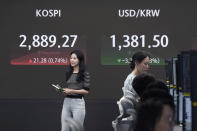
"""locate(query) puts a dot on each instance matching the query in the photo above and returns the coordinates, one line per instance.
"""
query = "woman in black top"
(77, 80)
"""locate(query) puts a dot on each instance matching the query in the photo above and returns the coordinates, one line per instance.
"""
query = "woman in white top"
(139, 64)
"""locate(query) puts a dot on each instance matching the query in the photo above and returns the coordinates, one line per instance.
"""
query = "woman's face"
(74, 61)
(166, 122)
(143, 66)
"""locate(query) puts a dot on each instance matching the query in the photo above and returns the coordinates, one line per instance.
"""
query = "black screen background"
(93, 20)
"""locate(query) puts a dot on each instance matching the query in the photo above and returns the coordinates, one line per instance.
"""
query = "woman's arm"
(72, 91)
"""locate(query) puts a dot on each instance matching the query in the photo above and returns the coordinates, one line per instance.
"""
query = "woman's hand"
(68, 91)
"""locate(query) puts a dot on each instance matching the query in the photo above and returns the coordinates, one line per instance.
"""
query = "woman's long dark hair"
(80, 76)
(138, 57)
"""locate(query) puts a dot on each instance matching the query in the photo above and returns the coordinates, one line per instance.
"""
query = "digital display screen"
(46, 50)
(119, 53)
(38, 36)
